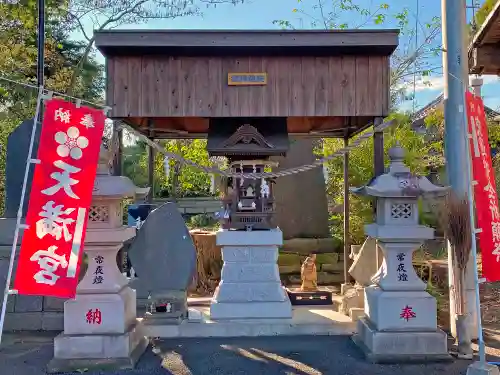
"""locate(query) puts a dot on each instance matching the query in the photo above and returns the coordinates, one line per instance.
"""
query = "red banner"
(61, 194)
(485, 192)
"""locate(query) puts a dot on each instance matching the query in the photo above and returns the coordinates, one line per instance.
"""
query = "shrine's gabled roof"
(418, 118)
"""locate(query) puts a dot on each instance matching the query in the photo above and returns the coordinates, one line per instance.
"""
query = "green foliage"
(182, 181)
(435, 136)
(484, 11)
(361, 171)
(18, 57)
(191, 181)
(203, 221)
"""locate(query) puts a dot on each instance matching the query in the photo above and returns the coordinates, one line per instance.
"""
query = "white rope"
(214, 170)
(255, 176)
(100, 106)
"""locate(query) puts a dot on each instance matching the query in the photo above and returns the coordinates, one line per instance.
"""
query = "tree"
(182, 181)
(435, 138)
(484, 11)
(411, 61)
(418, 46)
(18, 56)
(361, 171)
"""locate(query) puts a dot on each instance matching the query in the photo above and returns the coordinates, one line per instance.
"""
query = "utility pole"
(455, 73)
(41, 42)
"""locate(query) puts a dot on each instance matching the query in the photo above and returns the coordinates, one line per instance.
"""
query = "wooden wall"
(152, 86)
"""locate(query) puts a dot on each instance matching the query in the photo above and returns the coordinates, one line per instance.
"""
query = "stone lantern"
(400, 320)
(100, 326)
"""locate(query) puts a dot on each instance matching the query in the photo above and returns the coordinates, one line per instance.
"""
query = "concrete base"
(356, 313)
(401, 346)
(253, 310)
(480, 368)
(384, 309)
(306, 320)
(98, 352)
(250, 286)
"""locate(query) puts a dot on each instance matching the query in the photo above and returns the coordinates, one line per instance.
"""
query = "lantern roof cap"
(399, 181)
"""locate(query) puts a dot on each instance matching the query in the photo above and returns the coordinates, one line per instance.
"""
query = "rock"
(289, 269)
(17, 153)
(332, 258)
(364, 266)
(164, 258)
(327, 278)
(333, 267)
(289, 259)
(352, 299)
(306, 246)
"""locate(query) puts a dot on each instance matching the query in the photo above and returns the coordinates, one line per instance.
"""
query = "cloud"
(436, 83)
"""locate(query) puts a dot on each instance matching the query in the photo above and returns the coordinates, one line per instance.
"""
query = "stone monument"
(164, 257)
(250, 286)
(364, 266)
(100, 326)
(400, 322)
(31, 313)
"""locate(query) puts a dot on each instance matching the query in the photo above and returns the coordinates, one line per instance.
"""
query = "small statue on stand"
(309, 275)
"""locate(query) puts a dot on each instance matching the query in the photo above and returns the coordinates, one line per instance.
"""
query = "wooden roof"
(173, 83)
(247, 42)
(484, 51)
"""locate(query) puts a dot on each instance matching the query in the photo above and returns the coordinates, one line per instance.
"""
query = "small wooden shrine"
(247, 91)
(248, 203)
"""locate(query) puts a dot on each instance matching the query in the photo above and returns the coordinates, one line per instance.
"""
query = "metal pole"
(455, 139)
(477, 82)
(477, 305)
(41, 42)
(19, 226)
(346, 212)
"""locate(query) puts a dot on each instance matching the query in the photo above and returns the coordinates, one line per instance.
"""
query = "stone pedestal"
(400, 346)
(27, 313)
(250, 285)
(479, 368)
(100, 326)
(400, 323)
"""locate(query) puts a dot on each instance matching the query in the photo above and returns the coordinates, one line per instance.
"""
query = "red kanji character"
(407, 313)
(94, 316)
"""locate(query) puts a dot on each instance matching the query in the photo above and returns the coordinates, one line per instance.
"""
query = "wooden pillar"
(151, 164)
(118, 156)
(378, 149)
(346, 212)
(378, 168)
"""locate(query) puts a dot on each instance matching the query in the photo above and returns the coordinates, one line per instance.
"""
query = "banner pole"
(470, 196)
(19, 226)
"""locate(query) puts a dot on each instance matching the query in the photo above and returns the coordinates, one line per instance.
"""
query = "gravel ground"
(314, 355)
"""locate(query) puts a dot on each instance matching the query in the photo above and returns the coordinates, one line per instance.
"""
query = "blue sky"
(260, 14)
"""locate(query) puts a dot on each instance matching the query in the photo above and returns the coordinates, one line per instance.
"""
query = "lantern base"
(401, 346)
(98, 352)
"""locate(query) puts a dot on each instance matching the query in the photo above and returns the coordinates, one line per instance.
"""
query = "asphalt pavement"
(304, 355)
